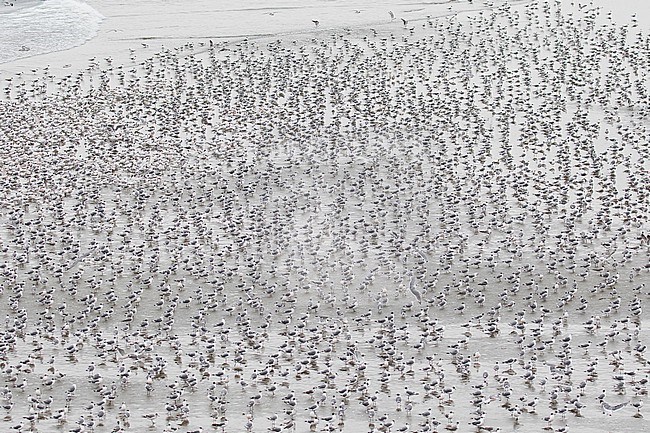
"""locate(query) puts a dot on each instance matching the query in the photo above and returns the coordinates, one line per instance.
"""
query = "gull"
(413, 290)
(316, 22)
(392, 15)
(609, 409)
(404, 429)
(151, 417)
(71, 390)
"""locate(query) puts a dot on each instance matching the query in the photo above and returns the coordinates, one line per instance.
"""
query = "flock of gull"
(400, 229)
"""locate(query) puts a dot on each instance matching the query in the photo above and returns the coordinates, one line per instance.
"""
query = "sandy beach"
(146, 26)
(329, 216)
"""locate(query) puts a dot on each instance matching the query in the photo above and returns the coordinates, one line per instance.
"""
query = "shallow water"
(32, 28)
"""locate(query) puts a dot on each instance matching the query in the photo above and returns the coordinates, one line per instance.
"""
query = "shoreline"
(144, 32)
(16, 6)
(123, 34)
(44, 27)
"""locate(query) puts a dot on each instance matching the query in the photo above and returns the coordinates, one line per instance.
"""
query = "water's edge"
(35, 28)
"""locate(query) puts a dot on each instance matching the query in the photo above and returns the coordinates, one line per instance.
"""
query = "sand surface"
(257, 224)
(173, 22)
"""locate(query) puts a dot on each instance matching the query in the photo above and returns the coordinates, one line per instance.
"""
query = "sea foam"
(52, 25)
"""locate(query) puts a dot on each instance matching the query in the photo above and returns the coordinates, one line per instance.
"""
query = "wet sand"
(438, 224)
